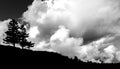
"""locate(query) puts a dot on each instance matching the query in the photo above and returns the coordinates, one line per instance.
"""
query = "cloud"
(33, 32)
(76, 15)
(65, 25)
(3, 28)
(61, 34)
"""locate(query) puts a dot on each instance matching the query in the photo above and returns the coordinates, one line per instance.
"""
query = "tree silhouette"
(12, 33)
(23, 38)
(17, 34)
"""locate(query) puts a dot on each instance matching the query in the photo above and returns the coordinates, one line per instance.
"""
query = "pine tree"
(12, 33)
(17, 34)
(23, 38)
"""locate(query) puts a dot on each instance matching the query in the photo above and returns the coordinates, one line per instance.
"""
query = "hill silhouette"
(38, 56)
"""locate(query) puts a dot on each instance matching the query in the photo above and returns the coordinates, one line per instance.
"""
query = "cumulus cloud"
(65, 25)
(33, 32)
(61, 34)
(76, 15)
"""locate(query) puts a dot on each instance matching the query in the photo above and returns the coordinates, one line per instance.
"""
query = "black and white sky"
(13, 8)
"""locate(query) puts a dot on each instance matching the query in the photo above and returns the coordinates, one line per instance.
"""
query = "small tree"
(23, 38)
(12, 33)
(17, 34)
(25, 44)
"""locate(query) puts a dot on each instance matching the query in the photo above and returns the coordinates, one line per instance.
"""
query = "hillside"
(12, 53)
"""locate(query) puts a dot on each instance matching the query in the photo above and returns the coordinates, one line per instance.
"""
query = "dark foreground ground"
(11, 54)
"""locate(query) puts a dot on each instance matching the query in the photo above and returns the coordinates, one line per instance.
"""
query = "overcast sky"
(13, 8)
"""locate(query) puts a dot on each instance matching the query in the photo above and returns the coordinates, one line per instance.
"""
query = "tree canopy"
(17, 34)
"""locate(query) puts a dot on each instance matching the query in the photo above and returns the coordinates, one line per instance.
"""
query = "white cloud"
(110, 49)
(76, 15)
(61, 34)
(3, 28)
(33, 32)
(63, 23)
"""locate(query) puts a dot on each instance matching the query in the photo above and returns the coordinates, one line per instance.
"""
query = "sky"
(13, 8)
(64, 25)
